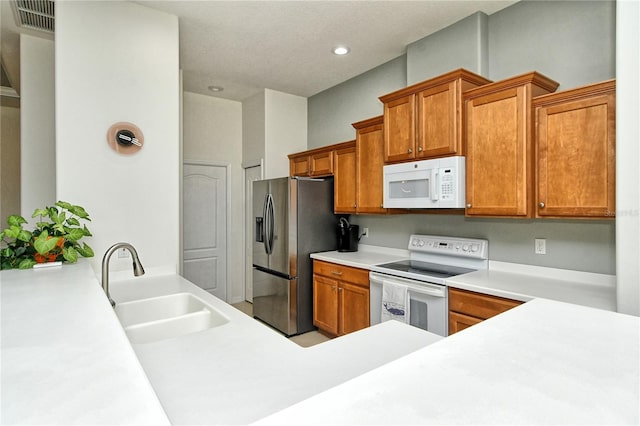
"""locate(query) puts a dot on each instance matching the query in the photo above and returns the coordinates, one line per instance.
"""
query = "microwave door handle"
(434, 184)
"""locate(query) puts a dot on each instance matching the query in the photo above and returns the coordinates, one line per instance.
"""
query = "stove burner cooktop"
(425, 268)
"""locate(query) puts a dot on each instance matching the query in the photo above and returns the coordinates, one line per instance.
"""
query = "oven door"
(428, 303)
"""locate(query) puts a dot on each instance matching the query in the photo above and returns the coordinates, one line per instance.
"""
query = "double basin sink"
(165, 317)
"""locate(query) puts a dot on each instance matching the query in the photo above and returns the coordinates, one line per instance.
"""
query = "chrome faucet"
(137, 266)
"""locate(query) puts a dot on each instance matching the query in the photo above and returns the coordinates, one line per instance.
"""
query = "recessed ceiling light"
(341, 50)
(215, 88)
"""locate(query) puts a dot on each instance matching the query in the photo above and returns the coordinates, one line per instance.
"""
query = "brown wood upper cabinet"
(576, 153)
(344, 178)
(425, 120)
(316, 162)
(358, 171)
(499, 134)
(369, 163)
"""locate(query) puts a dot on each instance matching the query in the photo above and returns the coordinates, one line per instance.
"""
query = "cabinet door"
(437, 121)
(354, 308)
(459, 322)
(299, 166)
(370, 157)
(321, 164)
(498, 154)
(344, 183)
(325, 304)
(576, 158)
(399, 129)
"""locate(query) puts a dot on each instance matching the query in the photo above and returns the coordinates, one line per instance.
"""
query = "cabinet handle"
(354, 206)
(541, 205)
(336, 273)
(469, 205)
(419, 149)
(333, 287)
(339, 288)
(410, 151)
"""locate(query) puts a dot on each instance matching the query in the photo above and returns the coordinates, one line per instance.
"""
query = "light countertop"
(510, 280)
(543, 362)
(523, 282)
(244, 370)
(364, 258)
(65, 358)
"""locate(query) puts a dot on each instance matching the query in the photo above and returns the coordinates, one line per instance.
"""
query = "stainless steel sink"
(165, 317)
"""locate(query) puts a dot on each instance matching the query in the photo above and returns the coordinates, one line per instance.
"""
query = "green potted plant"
(56, 237)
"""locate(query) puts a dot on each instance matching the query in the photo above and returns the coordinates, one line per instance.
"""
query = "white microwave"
(427, 184)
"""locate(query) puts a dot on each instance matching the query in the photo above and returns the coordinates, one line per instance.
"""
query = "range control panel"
(465, 247)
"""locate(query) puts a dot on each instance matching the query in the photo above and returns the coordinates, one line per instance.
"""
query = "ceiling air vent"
(35, 14)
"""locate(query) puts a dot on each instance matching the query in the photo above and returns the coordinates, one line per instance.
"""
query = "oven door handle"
(439, 292)
(428, 289)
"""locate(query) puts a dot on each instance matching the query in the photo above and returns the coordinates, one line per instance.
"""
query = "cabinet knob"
(354, 206)
(333, 287)
(409, 150)
(339, 288)
(541, 204)
(419, 149)
(469, 205)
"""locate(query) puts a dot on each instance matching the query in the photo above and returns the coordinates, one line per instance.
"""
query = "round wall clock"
(125, 138)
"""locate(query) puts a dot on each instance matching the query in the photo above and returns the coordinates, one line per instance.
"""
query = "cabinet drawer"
(478, 305)
(342, 273)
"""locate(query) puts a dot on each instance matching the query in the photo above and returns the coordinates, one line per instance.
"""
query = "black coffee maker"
(348, 236)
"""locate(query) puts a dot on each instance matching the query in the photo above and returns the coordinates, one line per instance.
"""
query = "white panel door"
(251, 174)
(205, 227)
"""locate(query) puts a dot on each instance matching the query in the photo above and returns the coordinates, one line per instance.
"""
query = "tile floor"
(305, 340)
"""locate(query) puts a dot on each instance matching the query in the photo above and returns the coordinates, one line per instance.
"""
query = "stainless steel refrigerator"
(293, 217)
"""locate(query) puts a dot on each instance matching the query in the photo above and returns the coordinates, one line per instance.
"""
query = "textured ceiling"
(246, 46)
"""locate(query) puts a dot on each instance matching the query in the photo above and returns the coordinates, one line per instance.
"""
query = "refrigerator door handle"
(270, 219)
(265, 228)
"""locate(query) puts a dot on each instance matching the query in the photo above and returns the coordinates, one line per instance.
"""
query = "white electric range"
(432, 259)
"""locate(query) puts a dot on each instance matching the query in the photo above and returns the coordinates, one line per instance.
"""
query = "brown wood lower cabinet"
(340, 298)
(467, 308)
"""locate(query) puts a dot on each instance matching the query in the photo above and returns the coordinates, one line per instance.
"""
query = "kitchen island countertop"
(65, 357)
(543, 362)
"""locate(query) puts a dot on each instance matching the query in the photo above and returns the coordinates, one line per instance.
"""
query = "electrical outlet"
(365, 232)
(123, 253)
(540, 246)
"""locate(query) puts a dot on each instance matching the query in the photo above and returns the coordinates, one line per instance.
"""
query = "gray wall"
(464, 44)
(571, 42)
(331, 112)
